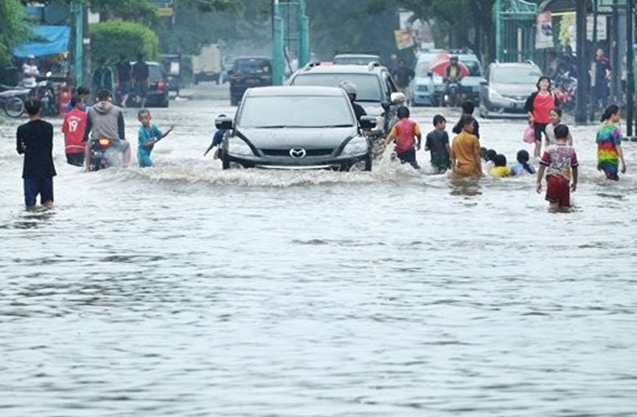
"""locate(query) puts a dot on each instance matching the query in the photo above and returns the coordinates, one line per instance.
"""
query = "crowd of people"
(127, 79)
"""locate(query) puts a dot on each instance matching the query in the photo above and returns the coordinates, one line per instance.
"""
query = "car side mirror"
(367, 122)
(397, 98)
(483, 82)
(224, 123)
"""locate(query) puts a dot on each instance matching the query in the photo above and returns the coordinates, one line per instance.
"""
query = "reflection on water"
(184, 290)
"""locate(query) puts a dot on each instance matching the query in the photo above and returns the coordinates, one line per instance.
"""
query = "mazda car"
(295, 128)
(507, 86)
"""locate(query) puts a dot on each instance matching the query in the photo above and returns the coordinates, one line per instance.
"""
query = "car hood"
(470, 81)
(287, 138)
(513, 89)
(437, 80)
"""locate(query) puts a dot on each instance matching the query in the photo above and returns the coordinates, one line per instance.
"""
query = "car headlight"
(494, 94)
(239, 148)
(356, 146)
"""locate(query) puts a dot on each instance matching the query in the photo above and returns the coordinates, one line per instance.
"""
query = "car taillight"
(161, 84)
(104, 142)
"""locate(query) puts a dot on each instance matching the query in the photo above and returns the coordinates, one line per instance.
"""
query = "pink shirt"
(405, 132)
(542, 105)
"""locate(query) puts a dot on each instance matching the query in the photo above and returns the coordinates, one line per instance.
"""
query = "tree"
(108, 39)
(14, 29)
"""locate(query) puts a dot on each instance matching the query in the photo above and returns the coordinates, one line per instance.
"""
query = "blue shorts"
(33, 187)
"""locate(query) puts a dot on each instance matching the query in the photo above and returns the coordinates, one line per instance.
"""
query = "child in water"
(438, 144)
(555, 117)
(407, 134)
(523, 167)
(499, 168)
(465, 151)
(558, 162)
(148, 136)
(609, 148)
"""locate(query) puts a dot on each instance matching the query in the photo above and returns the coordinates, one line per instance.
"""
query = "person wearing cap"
(29, 72)
(350, 89)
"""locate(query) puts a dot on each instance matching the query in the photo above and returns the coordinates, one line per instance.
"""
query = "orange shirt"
(464, 148)
(405, 132)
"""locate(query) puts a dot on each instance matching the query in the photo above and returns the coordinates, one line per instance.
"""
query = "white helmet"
(349, 87)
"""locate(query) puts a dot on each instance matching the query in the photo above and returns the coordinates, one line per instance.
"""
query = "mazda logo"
(298, 153)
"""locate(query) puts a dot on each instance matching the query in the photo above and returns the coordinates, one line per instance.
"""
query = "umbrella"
(439, 67)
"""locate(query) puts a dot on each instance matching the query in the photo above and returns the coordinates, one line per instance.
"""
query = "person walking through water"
(35, 141)
(140, 76)
(537, 107)
(103, 77)
(610, 157)
(403, 76)
(123, 79)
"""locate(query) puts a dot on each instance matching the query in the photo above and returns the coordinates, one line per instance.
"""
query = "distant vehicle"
(506, 88)
(427, 87)
(356, 59)
(470, 85)
(207, 65)
(172, 66)
(157, 93)
(296, 128)
(248, 72)
(375, 85)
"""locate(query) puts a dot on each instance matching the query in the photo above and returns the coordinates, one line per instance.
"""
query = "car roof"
(251, 58)
(513, 64)
(341, 69)
(356, 56)
(295, 90)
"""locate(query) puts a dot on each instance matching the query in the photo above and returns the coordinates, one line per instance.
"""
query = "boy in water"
(73, 129)
(217, 140)
(148, 136)
(438, 144)
(35, 141)
(465, 151)
(499, 168)
(408, 137)
(558, 161)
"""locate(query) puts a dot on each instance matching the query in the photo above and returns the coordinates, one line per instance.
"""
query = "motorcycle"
(45, 93)
(452, 93)
(103, 154)
(565, 91)
(12, 100)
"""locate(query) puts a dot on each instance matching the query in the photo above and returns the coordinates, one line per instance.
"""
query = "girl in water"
(610, 157)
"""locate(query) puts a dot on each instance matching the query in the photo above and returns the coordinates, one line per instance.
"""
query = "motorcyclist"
(105, 120)
(453, 73)
(350, 89)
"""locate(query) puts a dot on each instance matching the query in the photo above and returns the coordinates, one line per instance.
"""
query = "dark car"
(374, 85)
(157, 92)
(248, 72)
(295, 128)
(506, 88)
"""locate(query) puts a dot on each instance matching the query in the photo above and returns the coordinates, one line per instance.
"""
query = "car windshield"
(154, 73)
(367, 86)
(515, 75)
(422, 69)
(355, 60)
(296, 111)
(473, 66)
(252, 65)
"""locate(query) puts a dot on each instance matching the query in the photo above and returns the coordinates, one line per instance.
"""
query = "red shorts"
(558, 190)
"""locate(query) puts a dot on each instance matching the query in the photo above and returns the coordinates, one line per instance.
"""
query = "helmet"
(349, 87)
(453, 58)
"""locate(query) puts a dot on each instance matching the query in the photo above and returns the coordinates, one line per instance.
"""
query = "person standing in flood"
(610, 157)
(465, 151)
(537, 107)
(35, 142)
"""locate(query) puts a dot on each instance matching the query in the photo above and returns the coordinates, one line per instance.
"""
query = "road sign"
(165, 11)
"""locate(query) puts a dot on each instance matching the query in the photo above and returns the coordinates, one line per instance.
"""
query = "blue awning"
(57, 42)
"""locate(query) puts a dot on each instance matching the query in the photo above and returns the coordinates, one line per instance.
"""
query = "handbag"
(529, 134)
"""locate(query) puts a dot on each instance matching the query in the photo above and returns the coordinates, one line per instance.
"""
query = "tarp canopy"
(57, 42)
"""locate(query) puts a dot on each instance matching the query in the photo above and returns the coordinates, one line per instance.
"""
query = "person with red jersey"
(406, 133)
(537, 107)
(73, 129)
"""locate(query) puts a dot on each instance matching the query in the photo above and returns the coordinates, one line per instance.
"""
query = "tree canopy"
(14, 28)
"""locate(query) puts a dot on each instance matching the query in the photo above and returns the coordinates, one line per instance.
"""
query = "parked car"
(506, 88)
(356, 59)
(248, 72)
(374, 84)
(295, 128)
(157, 92)
(427, 87)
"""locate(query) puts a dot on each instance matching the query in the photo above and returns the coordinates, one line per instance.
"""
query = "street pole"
(594, 65)
(615, 58)
(582, 70)
(498, 30)
(277, 45)
(77, 9)
(630, 91)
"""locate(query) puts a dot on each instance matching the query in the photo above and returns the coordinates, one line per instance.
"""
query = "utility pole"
(278, 61)
(77, 9)
(582, 70)
(630, 79)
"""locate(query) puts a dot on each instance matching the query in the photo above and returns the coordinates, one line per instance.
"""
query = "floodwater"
(183, 290)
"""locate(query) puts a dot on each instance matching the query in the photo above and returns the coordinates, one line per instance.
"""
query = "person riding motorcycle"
(453, 74)
(350, 89)
(105, 120)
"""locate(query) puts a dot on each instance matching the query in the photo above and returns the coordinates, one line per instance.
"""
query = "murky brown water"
(187, 291)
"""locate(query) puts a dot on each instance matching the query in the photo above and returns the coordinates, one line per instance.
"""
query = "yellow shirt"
(500, 172)
(464, 149)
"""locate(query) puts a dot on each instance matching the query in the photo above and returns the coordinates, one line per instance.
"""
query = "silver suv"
(506, 88)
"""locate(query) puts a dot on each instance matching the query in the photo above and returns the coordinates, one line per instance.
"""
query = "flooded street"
(185, 290)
